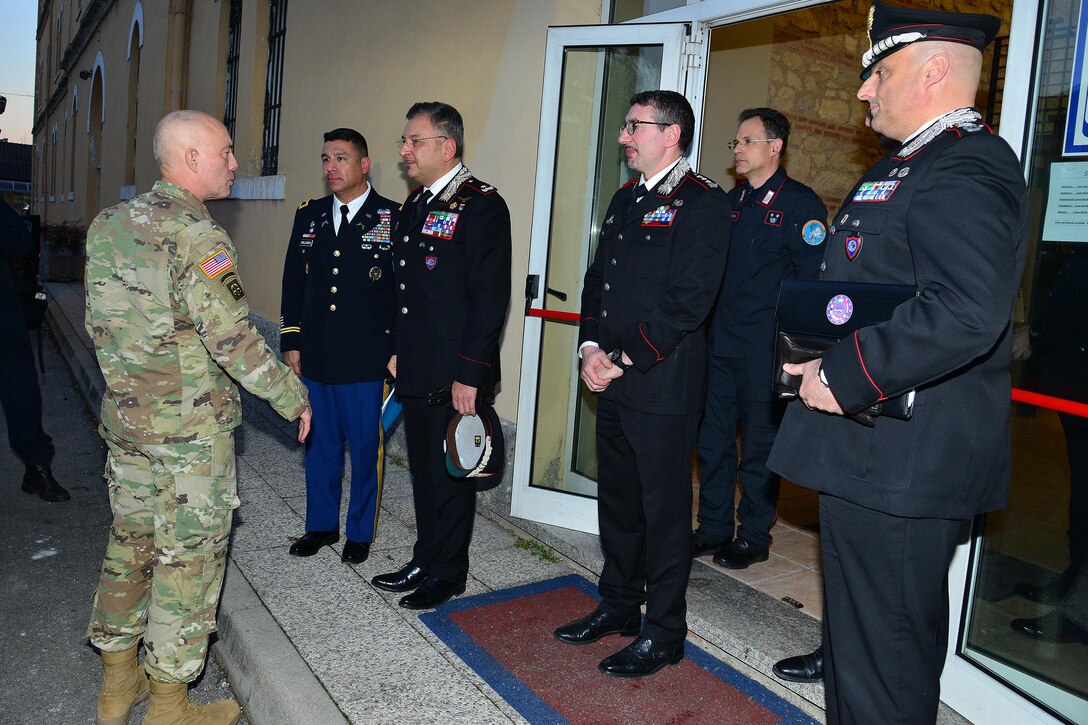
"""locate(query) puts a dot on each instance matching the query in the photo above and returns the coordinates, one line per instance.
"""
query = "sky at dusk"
(18, 23)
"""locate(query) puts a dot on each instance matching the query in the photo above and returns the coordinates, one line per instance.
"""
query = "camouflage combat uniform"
(169, 320)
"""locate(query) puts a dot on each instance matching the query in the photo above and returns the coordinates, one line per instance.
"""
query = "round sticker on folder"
(839, 310)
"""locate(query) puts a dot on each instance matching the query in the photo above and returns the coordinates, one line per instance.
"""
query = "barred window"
(234, 32)
(273, 90)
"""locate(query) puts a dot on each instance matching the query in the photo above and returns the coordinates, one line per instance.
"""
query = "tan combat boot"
(124, 685)
(170, 706)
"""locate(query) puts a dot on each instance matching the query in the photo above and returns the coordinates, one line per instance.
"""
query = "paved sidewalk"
(51, 556)
(311, 641)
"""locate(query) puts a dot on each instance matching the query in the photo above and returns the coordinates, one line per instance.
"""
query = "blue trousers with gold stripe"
(342, 413)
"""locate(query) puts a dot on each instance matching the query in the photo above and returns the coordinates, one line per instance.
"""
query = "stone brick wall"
(814, 78)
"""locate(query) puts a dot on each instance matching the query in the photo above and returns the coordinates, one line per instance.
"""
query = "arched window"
(72, 141)
(135, 42)
(273, 90)
(234, 44)
(96, 118)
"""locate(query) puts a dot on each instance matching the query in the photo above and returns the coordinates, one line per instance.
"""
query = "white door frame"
(541, 504)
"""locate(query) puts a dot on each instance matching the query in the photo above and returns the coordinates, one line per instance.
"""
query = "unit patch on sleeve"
(814, 232)
(662, 216)
(876, 190)
(440, 224)
(216, 264)
(234, 286)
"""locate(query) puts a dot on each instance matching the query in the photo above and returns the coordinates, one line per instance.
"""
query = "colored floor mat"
(506, 637)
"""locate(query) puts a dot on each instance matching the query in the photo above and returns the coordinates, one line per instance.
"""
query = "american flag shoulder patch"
(216, 264)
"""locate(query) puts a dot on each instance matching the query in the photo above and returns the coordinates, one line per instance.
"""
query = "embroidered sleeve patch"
(216, 264)
(814, 232)
(662, 216)
(234, 286)
(440, 224)
(876, 190)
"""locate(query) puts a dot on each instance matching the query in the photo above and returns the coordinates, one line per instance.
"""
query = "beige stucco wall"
(487, 62)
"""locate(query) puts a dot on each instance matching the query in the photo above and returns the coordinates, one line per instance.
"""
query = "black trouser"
(885, 628)
(644, 509)
(1076, 444)
(738, 391)
(445, 506)
(21, 396)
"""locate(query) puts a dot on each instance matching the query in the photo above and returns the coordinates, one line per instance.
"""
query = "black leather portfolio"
(813, 315)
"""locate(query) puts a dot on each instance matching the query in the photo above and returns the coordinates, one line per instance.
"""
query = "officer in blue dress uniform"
(336, 331)
(946, 212)
(778, 232)
(452, 264)
(645, 300)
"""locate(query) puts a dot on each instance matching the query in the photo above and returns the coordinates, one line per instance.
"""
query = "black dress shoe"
(1054, 627)
(355, 552)
(641, 658)
(431, 593)
(405, 579)
(803, 668)
(39, 480)
(1052, 593)
(740, 553)
(599, 624)
(312, 541)
(703, 544)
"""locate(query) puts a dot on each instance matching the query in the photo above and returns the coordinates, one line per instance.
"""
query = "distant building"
(15, 165)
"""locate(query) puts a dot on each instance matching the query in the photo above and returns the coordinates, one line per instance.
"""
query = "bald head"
(912, 86)
(964, 70)
(195, 152)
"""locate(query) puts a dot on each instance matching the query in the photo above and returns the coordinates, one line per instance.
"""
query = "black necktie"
(637, 193)
(343, 219)
(421, 206)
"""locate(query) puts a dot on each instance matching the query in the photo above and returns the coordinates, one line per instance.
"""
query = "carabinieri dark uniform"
(648, 291)
(452, 267)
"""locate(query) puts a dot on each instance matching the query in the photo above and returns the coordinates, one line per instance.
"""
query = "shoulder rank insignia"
(304, 204)
(708, 181)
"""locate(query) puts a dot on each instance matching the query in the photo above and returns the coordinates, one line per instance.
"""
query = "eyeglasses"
(631, 126)
(415, 141)
(748, 142)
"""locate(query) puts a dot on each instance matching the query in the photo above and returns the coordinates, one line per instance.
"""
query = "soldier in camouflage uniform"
(169, 319)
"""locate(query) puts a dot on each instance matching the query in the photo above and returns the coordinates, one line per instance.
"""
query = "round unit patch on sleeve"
(814, 232)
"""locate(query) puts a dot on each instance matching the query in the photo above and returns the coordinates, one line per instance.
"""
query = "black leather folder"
(813, 315)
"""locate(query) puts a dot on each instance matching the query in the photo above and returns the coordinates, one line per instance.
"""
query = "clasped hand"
(597, 369)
